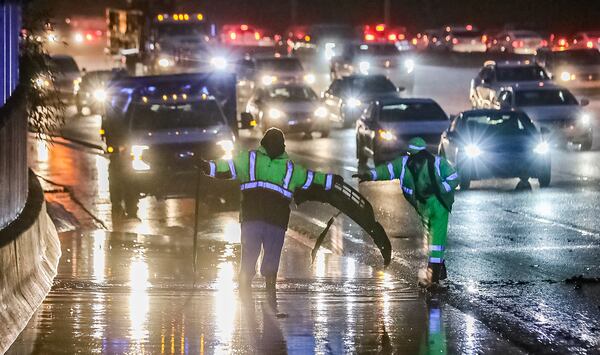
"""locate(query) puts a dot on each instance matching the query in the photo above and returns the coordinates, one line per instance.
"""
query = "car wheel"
(586, 145)
(325, 133)
(465, 181)
(545, 176)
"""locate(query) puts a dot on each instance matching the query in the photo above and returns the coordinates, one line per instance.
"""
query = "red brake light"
(232, 35)
(484, 39)
(369, 37)
(401, 37)
(590, 44)
(469, 27)
(454, 41)
(392, 37)
(244, 27)
(256, 36)
(380, 28)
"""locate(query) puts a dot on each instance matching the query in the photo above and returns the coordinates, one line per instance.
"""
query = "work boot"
(431, 276)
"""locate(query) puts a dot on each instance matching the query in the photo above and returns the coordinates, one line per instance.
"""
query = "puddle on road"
(129, 293)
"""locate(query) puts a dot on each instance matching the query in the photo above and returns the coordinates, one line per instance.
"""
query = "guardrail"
(13, 159)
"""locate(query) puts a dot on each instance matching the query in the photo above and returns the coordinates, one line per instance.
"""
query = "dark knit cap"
(274, 142)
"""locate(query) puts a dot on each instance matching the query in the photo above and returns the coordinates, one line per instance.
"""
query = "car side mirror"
(247, 121)
(400, 89)
(584, 102)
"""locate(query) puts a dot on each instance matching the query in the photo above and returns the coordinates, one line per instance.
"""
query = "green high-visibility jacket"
(418, 188)
(267, 184)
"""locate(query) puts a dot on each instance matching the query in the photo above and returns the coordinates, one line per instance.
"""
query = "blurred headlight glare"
(321, 112)
(472, 151)
(136, 158)
(542, 148)
(275, 113)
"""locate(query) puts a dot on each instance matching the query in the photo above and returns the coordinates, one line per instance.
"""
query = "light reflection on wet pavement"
(130, 293)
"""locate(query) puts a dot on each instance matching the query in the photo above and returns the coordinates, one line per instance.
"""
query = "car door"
(369, 130)
(449, 140)
(332, 99)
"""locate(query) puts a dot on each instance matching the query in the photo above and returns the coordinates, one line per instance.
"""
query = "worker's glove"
(362, 177)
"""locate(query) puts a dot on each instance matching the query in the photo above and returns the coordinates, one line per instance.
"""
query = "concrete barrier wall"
(29, 254)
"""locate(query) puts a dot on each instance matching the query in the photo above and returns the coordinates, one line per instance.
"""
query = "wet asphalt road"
(125, 286)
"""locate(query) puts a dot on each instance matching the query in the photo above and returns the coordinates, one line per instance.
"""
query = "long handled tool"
(321, 237)
(196, 222)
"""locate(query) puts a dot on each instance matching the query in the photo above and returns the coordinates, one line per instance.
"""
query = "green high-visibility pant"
(434, 217)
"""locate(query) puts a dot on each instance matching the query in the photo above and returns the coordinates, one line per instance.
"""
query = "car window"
(279, 64)
(369, 84)
(164, 116)
(65, 64)
(412, 111)
(524, 73)
(495, 123)
(544, 98)
(291, 93)
(335, 88)
(377, 49)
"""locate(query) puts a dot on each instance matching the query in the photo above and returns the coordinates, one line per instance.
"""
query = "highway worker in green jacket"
(428, 183)
(268, 179)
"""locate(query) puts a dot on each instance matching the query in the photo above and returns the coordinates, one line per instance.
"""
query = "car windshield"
(578, 57)
(153, 117)
(525, 73)
(172, 29)
(369, 85)
(544, 98)
(497, 123)
(377, 49)
(299, 93)
(65, 65)
(279, 65)
(412, 111)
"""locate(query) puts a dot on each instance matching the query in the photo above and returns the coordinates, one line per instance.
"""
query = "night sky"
(552, 15)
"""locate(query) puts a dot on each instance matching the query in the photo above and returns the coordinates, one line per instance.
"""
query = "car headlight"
(472, 151)
(164, 62)
(227, 146)
(275, 113)
(542, 148)
(409, 65)
(100, 95)
(386, 135)
(310, 79)
(268, 79)
(321, 112)
(586, 119)
(363, 67)
(136, 158)
(354, 102)
(219, 63)
(566, 76)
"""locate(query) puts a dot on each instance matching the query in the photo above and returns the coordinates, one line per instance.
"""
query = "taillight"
(517, 44)
(484, 39)
(543, 43)
(454, 41)
(590, 44)
(392, 37)
(401, 37)
(232, 35)
(369, 37)
(257, 36)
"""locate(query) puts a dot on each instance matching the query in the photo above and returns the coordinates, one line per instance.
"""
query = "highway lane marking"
(568, 226)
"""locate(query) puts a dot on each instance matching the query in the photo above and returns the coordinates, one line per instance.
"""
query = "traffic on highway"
(329, 186)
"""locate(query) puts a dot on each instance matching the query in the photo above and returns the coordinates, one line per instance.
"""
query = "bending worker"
(268, 180)
(428, 183)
